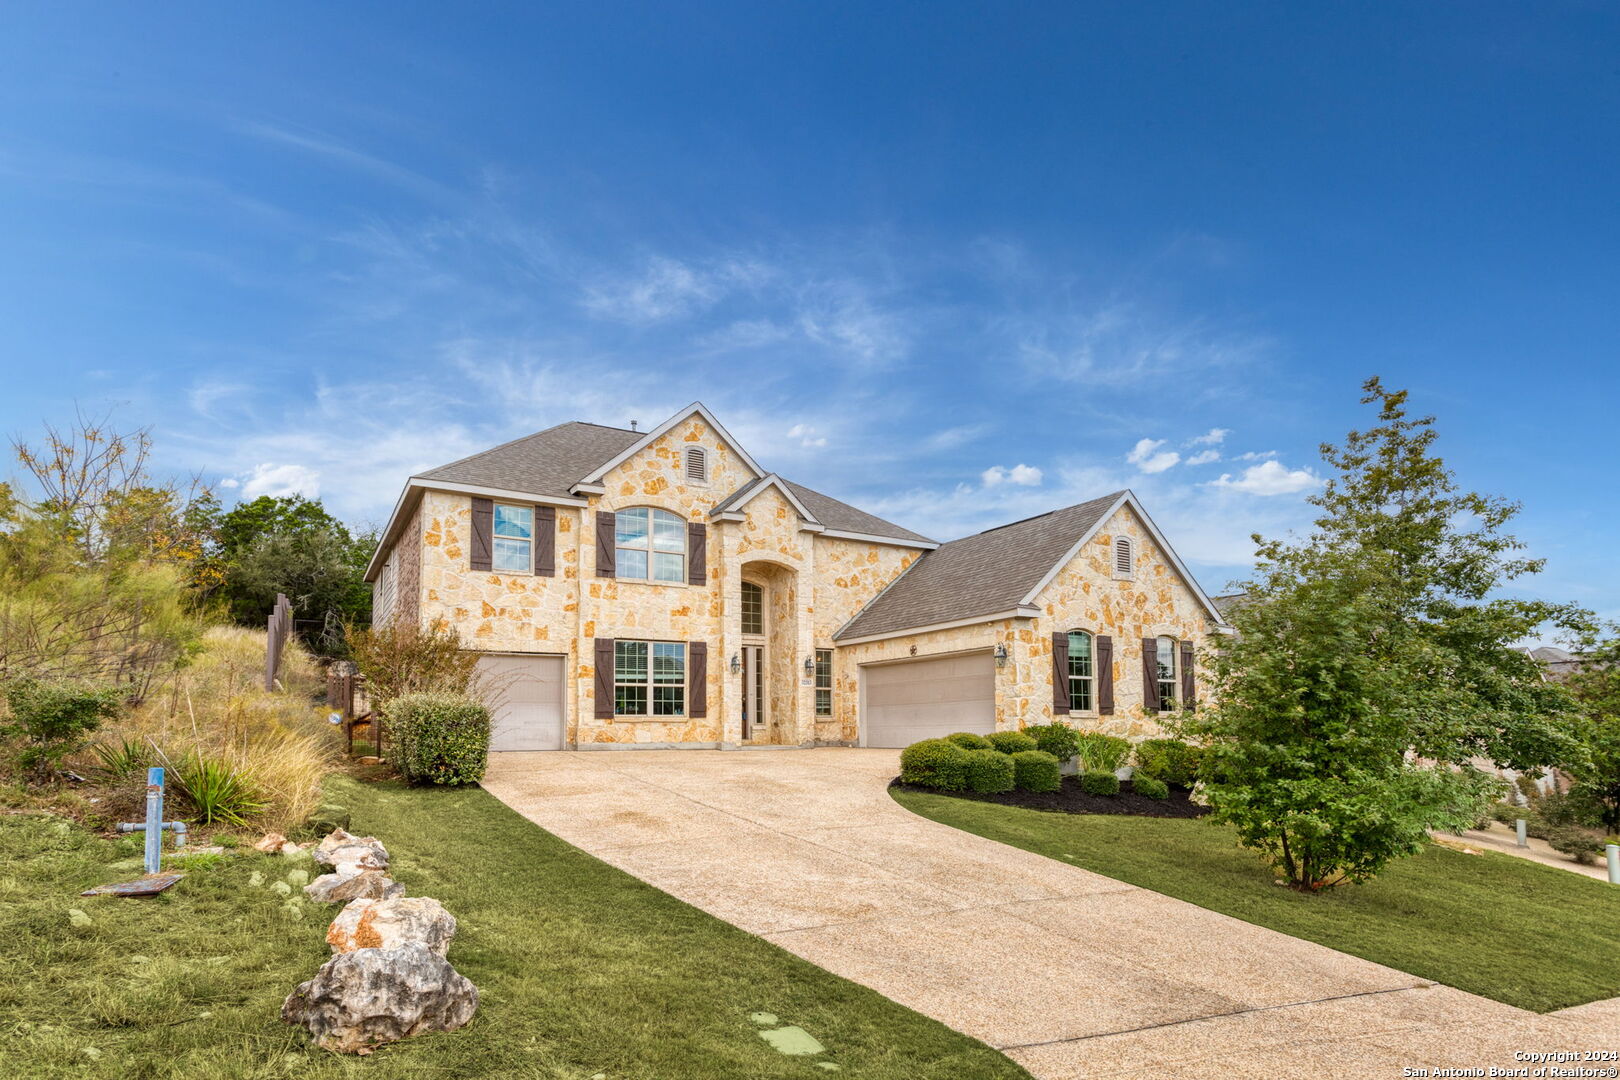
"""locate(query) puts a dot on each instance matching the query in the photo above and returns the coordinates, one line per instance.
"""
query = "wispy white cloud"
(1269, 478)
(333, 149)
(665, 289)
(1018, 475)
(280, 480)
(806, 435)
(1147, 456)
(1213, 437)
(1204, 457)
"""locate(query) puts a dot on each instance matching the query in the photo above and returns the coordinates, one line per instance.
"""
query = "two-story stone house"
(661, 589)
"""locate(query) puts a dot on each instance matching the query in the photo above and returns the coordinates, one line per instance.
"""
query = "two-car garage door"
(926, 698)
(525, 699)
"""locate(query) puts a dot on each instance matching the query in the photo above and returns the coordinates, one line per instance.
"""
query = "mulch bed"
(1072, 800)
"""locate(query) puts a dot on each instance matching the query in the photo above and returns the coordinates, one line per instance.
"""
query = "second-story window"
(513, 540)
(651, 544)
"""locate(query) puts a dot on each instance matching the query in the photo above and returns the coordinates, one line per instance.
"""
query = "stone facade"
(812, 585)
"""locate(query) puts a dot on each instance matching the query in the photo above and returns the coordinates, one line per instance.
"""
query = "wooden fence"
(280, 629)
(346, 694)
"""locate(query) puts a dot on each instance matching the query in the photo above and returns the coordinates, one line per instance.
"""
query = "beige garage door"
(924, 699)
(525, 699)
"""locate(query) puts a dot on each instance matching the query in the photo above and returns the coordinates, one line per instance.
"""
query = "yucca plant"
(218, 790)
(124, 759)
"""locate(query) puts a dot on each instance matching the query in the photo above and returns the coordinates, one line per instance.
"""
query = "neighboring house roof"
(548, 462)
(995, 572)
(1225, 604)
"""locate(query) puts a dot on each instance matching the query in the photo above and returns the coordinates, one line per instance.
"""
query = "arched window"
(753, 608)
(1167, 674)
(1124, 557)
(1082, 672)
(651, 544)
(697, 465)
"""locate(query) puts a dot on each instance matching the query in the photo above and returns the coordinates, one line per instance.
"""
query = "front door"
(753, 701)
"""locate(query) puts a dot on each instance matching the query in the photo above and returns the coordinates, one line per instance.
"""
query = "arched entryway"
(768, 607)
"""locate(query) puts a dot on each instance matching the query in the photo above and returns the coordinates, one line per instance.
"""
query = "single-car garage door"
(525, 699)
(923, 699)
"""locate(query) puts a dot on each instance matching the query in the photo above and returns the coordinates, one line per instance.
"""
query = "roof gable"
(696, 408)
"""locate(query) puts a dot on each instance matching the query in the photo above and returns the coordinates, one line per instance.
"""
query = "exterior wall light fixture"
(809, 667)
(736, 663)
(1001, 654)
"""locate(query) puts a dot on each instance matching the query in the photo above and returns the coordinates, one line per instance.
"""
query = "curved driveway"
(1068, 972)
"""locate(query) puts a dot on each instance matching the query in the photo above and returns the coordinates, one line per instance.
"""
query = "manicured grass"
(583, 970)
(1528, 935)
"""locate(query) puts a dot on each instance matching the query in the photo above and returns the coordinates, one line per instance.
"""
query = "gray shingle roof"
(549, 462)
(983, 574)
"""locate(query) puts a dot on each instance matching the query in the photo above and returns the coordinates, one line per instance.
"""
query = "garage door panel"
(927, 698)
(525, 699)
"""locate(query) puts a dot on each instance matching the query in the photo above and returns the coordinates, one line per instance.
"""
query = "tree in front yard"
(1373, 661)
(1596, 686)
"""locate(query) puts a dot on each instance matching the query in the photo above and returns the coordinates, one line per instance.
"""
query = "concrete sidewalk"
(1070, 973)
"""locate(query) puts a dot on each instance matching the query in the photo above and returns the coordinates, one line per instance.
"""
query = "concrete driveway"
(1070, 973)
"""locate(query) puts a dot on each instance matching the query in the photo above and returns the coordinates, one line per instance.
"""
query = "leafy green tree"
(292, 545)
(1373, 662)
(1596, 686)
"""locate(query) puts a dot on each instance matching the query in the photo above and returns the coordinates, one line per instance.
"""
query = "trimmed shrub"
(1059, 740)
(1149, 787)
(1577, 843)
(967, 741)
(1171, 760)
(989, 771)
(1101, 753)
(440, 738)
(1099, 782)
(1036, 770)
(1011, 742)
(53, 720)
(935, 763)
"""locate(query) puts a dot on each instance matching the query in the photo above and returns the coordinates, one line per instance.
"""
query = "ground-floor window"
(641, 688)
(1167, 674)
(824, 682)
(1080, 671)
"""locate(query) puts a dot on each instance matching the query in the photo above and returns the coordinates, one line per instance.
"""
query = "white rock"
(363, 999)
(386, 924)
(367, 884)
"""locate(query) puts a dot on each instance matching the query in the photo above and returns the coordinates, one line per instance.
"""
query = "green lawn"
(583, 970)
(1508, 929)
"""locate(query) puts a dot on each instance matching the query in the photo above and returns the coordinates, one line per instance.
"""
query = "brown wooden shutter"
(545, 541)
(1105, 675)
(1060, 672)
(483, 531)
(607, 543)
(697, 679)
(604, 678)
(1189, 688)
(697, 553)
(1150, 674)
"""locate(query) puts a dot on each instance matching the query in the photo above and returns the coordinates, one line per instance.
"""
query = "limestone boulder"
(386, 924)
(269, 842)
(361, 885)
(345, 852)
(364, 999)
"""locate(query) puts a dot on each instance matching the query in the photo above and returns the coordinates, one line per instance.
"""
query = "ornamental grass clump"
(440, 738)
(1101, 753)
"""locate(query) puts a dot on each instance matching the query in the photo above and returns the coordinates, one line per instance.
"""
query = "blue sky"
(955, 264)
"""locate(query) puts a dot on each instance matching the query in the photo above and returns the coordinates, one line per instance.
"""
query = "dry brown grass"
(217, 706)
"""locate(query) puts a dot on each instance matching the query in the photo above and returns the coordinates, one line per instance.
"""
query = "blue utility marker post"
(154, 819)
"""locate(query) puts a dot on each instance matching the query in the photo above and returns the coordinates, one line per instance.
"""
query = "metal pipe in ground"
(1614, 863)
(154, 819)
(1524, 839)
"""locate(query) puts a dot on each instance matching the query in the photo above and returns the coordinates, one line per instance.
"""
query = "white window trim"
(1092, 711)
(685, 553)
(764, 613)
(649, 684)
(494, 536)
(816, 687)
(1175, 672)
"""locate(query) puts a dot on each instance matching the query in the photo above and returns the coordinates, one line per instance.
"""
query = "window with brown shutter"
(697, 679)
(603, 681)
(1150, 674)
(1189, 687)
(1105, 675)
(483, 532)
(1060, 672)
(697, 553)
(606, 544)
(545, 541)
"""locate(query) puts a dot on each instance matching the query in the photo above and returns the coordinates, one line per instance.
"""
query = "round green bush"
(1171, 760)
(1059, 740)
(1098, 782)
(439, 738)
(969, 741)
(935, 763)
(1575, 842)
(1149, 787)
(989, 771)
(1036, 770)
(1011, 742)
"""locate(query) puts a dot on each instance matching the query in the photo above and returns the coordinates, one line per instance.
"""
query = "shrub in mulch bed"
(1071, 798)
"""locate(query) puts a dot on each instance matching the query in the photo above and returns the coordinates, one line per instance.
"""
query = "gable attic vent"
(1123, 558)
(697, 465)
